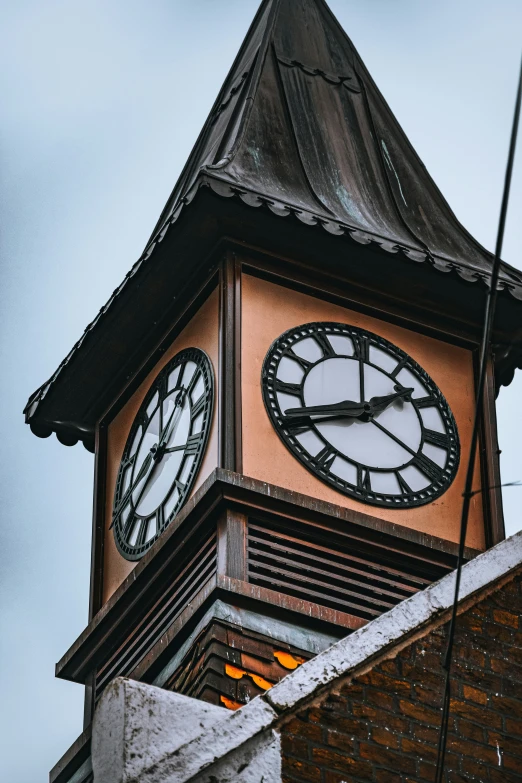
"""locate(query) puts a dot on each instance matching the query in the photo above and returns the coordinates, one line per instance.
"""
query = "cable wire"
(468, 491)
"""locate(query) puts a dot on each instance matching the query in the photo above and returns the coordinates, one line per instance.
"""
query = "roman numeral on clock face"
(199, 406)
(297, 426)
(143, 530)
(437, 438)
(425, 402)
(362, 348)
(363, 479)
(193, 382)
(402, 364)
(326, 456)
(405, 489)
(288, 388)
(324, 344)
(193, 443)
(305, 364)
(429, 468)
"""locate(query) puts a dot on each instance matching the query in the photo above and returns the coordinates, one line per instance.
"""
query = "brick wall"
(383, 727)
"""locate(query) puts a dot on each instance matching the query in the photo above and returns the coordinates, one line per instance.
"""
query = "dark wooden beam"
(184, 307)
(232, 544)
(98, 521)
(97, 549)
(340, 289)
(490, 465)
(230, 364)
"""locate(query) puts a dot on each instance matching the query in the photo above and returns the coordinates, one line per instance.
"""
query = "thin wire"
(495, 486)
(468, 492)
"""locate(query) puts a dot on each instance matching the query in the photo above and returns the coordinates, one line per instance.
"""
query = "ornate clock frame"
(441, 478)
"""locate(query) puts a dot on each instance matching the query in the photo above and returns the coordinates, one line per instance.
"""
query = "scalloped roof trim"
(228, 189)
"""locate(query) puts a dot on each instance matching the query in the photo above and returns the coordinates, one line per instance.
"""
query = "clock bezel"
(204, 363)
(283, 345)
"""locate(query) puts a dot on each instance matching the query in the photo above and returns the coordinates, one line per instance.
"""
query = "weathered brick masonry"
(383, 726)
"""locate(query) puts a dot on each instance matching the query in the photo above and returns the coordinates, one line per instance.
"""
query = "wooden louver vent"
(327, 571)
(192, 577)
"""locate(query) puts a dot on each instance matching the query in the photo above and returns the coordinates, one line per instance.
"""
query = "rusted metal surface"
(303, 127)
(299, 129)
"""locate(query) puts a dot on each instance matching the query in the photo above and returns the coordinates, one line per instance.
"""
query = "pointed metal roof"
(300, 128)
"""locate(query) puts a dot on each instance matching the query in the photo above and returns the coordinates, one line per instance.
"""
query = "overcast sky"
(101, 103)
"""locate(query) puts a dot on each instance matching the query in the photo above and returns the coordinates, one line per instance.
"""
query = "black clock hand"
(159, 450)
(142, 471)
(379, 404)
(348, 408)
(142, 490)
(167, 431)
(156, 454)
(345, 408)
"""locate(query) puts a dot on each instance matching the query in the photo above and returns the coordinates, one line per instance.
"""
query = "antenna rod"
(468, 489)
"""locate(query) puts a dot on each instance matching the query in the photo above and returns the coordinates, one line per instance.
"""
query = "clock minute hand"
(160, 449)
(144, 487)
(347, 408)
(379, 404)
(167, 431)
(158, 452)
(144, 468)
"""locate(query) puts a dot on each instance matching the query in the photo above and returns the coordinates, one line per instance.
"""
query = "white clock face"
(163, 452)
(361, 414)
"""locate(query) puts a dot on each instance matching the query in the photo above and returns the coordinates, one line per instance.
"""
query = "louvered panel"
(320, 567)
(189, 581)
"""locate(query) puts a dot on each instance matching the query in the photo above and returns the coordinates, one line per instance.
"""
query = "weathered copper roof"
(301, 124)
(301, 128)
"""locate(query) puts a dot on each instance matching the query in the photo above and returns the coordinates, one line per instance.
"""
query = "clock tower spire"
(279, 392)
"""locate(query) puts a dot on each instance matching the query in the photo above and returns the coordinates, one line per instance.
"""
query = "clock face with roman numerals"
(361, 414)
(164, 452)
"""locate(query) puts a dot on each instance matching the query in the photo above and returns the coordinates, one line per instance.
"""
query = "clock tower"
(280, 394)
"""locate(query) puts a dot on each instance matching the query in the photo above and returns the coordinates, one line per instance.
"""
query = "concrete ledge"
(136, 725)
(227, 736)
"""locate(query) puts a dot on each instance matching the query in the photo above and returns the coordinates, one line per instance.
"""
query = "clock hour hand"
(379, 404)
(347, 408)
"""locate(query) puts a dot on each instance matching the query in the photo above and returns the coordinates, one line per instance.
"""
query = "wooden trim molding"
(98, 521)
(342, 291)
(192, 299)
(230, 364)
(231, 496)
(490, 464)
(97, 547)
(232, 545)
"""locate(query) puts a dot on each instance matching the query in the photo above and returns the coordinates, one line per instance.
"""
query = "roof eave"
(70, 431)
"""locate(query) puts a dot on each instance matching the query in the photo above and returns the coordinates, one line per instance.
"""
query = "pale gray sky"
(101, 103)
